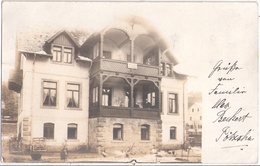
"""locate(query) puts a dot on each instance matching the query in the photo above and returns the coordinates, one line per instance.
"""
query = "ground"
(80, 157)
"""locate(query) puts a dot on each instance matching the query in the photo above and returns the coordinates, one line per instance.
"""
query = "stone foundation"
(101, 135)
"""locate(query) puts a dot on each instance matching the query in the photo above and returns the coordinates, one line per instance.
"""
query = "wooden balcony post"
(160, 98)
(100, 92)
(101, 45)
(132, 50)
(132, 93)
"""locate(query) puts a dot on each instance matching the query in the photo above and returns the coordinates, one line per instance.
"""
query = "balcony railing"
(124, 112)
(125, 67)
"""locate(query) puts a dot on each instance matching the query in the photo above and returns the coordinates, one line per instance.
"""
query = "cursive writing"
(228, 135)
(218, 91)
(221, 103)
(229, 68)
(225, 79)
(235, 117)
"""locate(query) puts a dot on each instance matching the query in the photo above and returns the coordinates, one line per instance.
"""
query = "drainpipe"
(184, 109)
(32, 94)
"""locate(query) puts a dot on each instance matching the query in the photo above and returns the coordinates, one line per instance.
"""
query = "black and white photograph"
(129, 82)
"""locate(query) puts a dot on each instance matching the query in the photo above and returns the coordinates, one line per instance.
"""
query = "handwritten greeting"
(225, 112)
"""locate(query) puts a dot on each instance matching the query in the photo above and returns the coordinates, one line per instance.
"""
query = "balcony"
(15, 80)
(121, 112)
(125, 67)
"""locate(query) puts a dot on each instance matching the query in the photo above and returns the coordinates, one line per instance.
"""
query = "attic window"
(62, 54)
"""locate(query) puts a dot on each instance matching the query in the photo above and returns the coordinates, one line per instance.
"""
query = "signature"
(228, 135)
(235, 117)
(225, 106)
(229, 68)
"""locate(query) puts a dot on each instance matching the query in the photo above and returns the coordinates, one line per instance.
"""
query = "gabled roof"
(62, 32)
(192, 104)
(33, 40)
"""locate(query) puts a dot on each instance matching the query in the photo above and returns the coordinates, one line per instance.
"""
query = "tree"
(10, 99)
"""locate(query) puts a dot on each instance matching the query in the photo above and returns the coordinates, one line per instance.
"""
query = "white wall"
(170, 85)
(45, 69)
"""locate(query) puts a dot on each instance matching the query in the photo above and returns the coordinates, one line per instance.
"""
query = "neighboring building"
(194, 122)
(115, 90)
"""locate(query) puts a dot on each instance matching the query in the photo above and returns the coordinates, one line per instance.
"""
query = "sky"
(184, 26)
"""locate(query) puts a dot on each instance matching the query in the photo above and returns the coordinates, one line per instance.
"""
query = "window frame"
(173, 128)
(176, 103)
(163, 69)
(76, 132)
(109, 96)
(107, 54)
(94, 95)
(120, 129)
(42, 94)
(53, 130)
(145, 128)
(79, 96)
(63, 47)
(95, 51)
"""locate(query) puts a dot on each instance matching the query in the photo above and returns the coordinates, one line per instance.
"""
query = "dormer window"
(62, 54)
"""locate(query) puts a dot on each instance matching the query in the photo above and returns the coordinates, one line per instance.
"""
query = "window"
(49, 93)
(117, 132)
(72, 131)
(107, 55)
(172, 132)
(57, 53)
(162, 69)
(61, 53)
(73, 95)
(145, 132)
(127, 98)
(151, 99)
(48, 130)
(192, 110)
(199, 126)
(200, 117)
(95, 95)
(173, 103)
(198, 109)
(106, 97)
(96, 51)
(190, 118)
(151, 96)
(67, 55)
(166, 69)
(151, 60)
(191, 126)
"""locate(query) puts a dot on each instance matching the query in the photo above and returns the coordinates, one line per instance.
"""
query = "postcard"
(129, 82)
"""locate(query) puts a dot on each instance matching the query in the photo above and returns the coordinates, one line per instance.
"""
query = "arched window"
(117, 131)
(48, 130)
(172, 132)
(145, 132)
(72, 131)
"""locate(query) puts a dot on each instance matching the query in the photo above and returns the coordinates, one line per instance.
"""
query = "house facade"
(194, 122)
(115, 90)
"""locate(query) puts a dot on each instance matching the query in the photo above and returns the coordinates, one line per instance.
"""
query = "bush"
(36, 156)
